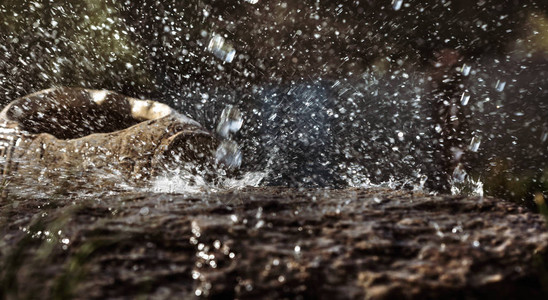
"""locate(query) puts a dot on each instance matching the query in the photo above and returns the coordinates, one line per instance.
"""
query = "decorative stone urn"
(96, 137)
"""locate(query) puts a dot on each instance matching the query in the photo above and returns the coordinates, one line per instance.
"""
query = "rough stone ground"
(271, 243)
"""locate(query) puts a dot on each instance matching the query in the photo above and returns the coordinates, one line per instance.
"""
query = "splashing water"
(468, 187)
(189, 184)
(329, 100)
(229, 154)
(230, 122)
(228, 158)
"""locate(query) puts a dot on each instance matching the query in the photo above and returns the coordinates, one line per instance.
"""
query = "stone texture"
(273, 243)
(73, 134)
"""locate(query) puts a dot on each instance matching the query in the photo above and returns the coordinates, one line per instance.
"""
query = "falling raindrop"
(465, 70)
(500, 85)
(230, 121)
(465, 98)
(475, 144)
(228, 153)
(397, 4)
(459, 173)
(222, 49)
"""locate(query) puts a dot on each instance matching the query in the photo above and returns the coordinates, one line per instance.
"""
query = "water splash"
(224, 175)
(183, 182)
(469, 187)
(230, 122)
(229, 154)
(463, 184)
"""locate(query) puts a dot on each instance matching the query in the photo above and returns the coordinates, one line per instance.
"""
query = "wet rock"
(273, 243)
(95, 136)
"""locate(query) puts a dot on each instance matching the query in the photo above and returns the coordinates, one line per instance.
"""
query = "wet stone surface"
(271, 243)
(99, 138)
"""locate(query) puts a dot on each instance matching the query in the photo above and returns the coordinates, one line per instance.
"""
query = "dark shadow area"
(72, 113)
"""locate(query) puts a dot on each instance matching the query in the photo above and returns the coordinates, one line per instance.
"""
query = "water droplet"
(465, 98)
(259, 224)
(500, 85)
(221, 49)
(230, 121)
(465, 70)
(474, 144)
(438, 128)
(229, 154)
(459, 174)
(396, 4)
(144, 211)
(217, 244)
